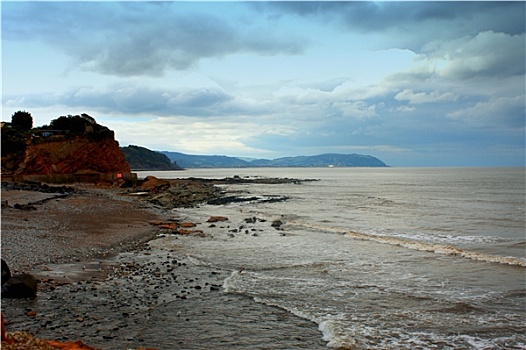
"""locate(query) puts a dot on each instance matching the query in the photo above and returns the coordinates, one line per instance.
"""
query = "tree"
(22, 120)
(79, 124)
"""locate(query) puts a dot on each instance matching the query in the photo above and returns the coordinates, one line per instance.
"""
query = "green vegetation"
(15, 138)
(22, 120)
(141, 158)
(79, 125)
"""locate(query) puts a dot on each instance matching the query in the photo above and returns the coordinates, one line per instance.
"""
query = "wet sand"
(104, 284)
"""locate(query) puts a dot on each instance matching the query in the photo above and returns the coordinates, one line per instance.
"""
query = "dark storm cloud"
(411, 24)
(127, 39)
(375, 16)
(136, 100)
(506, 17)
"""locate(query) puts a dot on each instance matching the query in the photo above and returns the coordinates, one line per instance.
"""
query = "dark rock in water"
(231, 199)
(20, 286)
(6, 273)
(237, 199)
(251, 220)
(277, 224)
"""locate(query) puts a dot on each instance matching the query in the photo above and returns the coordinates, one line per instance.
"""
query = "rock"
(217, 219)
(19, 286)
(77, 345)
(27, 207)
(155, 222)
(170, 226)
(6, 273)
(191, 232)
(231, 199)
(187, 224)
(277, 224)
(152, 183)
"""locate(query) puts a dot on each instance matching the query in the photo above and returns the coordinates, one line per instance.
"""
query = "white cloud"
(188, 135)
(236, 81)
(405, 109)
(142, 38)
(356, 109)
(501, 111)
(301, 95)
(485, 54)
(422, 97)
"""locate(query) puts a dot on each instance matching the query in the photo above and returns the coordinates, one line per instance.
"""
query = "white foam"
(438, 237)
(439, 248)
(416, 245)
(228, 283)
(335, 340)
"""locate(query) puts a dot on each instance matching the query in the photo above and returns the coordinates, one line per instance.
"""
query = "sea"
(379, 258)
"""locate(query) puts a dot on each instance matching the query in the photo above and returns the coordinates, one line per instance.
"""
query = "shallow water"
(380, 258)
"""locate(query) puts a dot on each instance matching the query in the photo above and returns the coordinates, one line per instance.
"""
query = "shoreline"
(124, 293)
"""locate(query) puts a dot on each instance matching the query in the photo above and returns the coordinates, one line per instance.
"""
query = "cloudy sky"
(412, 83)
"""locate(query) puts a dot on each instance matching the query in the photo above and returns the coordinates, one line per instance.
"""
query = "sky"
(411, 83)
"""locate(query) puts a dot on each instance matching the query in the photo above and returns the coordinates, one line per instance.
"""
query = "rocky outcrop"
(151, 183)
(78, 154)
(22, 285)
(178, 193)
(6, 272)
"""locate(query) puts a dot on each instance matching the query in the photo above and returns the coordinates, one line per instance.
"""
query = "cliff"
(69, 145)
(78, 154)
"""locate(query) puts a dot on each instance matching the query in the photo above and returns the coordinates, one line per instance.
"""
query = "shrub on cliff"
(22, 120)
(81, 124)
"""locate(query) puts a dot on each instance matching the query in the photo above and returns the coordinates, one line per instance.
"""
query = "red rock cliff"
(73, 155)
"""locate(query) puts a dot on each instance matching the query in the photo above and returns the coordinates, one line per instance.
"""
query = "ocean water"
(379, 258)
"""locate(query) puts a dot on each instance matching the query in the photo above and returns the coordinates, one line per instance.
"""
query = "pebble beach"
(104, 281)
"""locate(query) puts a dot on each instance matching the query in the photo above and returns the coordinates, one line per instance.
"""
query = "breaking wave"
(417, 245)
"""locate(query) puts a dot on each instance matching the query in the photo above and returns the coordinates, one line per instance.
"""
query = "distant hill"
(201, 161)
(322, 160)
(140, 158)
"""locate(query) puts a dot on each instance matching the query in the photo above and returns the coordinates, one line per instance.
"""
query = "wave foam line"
(439, 248)
(421, 246)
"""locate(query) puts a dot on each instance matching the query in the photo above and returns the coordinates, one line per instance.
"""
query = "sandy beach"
(101, 281)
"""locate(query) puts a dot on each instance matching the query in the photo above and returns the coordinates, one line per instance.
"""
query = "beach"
(104, 283)
(359, 259)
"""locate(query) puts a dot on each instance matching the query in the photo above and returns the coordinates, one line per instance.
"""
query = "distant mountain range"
(140, 158)
(322, 160)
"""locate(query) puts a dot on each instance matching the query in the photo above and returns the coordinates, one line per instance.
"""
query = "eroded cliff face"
(78, 154)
